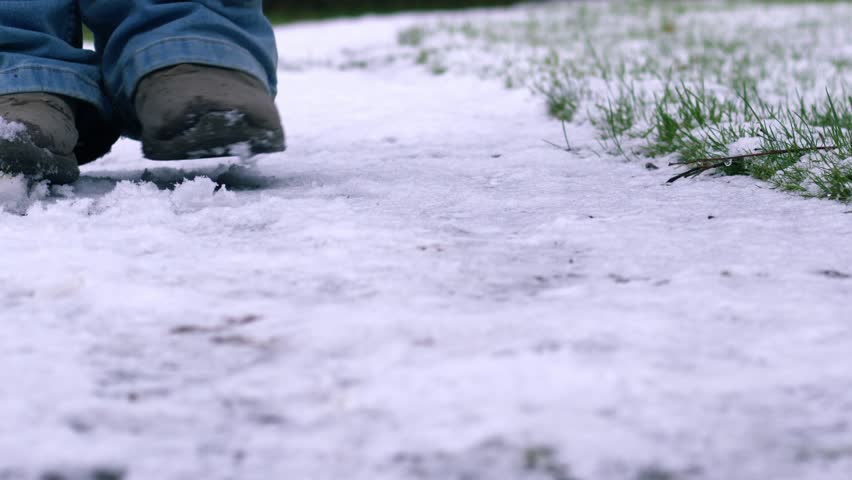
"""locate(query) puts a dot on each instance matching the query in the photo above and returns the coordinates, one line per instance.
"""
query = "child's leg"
(156, 66)
(41, 70)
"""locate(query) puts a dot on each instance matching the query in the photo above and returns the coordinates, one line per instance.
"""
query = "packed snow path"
(420, 289)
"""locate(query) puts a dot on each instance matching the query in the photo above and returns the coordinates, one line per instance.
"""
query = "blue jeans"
(40, 47)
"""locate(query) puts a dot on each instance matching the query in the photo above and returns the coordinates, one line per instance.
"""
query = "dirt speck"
(834, 274)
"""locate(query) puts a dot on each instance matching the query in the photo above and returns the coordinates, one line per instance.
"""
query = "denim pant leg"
(137, 37)
(40, 51)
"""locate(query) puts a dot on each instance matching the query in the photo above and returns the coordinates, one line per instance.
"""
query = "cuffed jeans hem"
(187, 49)
(55, 80)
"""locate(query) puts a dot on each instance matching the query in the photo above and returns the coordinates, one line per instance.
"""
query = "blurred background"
(290, 10)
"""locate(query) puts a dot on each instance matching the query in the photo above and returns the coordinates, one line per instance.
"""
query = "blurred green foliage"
(288, 10)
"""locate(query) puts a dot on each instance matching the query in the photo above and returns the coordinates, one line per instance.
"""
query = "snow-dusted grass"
(680, 81)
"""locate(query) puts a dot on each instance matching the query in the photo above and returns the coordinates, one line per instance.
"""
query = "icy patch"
(10, 130)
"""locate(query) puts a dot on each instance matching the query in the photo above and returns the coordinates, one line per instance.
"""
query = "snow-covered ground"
(420, 289)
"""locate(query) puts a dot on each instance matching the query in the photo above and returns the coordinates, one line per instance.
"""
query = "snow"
(745, 146)
(420, 288)
(10, 130)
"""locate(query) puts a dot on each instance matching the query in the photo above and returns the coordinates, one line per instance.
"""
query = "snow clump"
(10, 130)
(198, 193)
(17, 195)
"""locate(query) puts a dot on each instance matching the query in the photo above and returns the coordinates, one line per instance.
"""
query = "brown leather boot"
(37, 137)
(196, 111)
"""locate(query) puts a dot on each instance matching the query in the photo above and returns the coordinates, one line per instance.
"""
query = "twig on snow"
(719, 162)
(560, 147)
(567, 147)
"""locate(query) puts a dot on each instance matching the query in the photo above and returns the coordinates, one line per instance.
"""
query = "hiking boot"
(38, 137)
(196, 111)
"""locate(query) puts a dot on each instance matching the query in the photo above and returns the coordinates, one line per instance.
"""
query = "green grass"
(288, 12)
(679, 81)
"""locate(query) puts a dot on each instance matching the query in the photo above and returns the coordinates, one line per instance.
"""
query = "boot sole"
(216, 134)
(36, 163)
